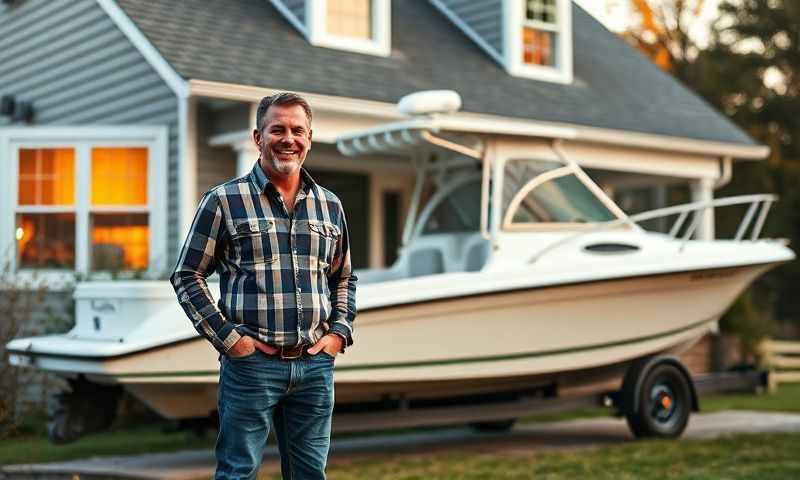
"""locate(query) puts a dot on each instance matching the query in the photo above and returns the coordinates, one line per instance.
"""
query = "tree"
(662, 31)
(751, 72)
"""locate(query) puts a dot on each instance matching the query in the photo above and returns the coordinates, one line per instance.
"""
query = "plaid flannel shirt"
(284, 279)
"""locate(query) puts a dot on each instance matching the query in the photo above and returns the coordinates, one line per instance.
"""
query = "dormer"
(362, 26)
(529, 38)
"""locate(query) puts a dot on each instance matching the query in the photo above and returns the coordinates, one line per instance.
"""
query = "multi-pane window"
(111, 211)
(118, 217)
(350, 18)
(541, 11)
(45, 217)
(539, 32)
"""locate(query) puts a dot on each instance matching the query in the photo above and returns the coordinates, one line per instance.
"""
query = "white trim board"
(143, 45)
(388, 111)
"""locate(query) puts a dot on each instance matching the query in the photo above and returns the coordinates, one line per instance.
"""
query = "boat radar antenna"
(430, 102)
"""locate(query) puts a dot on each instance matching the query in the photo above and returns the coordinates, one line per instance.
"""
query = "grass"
(34, 448)
(757, 456)
(786, 399)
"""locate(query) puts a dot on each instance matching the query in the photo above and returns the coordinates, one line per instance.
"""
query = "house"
(118, 114)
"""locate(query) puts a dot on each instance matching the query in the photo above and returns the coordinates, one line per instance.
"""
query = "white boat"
(517, 271)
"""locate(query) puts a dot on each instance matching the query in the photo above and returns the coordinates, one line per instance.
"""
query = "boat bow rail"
(758, 208)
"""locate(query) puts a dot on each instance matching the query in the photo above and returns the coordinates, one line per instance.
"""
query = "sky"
(616, 15)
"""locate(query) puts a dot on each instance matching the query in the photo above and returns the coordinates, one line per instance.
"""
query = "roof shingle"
(248, 42)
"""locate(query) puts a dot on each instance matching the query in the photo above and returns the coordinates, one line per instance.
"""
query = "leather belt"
(291, 353)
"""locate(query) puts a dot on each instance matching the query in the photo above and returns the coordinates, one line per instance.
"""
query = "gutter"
(510, 126)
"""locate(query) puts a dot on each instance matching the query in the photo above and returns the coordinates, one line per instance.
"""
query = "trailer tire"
(665, 403)
(494, 426)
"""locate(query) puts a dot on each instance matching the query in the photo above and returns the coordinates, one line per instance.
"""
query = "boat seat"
(432, 255)
(425, 261)
(477, 254)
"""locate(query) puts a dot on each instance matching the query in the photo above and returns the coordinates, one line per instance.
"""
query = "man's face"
(284, 141)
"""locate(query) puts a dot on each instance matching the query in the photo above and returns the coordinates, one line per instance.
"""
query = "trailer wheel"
(494, 426)
(665, 402)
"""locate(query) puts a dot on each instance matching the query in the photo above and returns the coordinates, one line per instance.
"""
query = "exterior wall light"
(23, 113)
(6, 105)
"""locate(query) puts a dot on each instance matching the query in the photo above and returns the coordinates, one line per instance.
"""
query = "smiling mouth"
(285, 153)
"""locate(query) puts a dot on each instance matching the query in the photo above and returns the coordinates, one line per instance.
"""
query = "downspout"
(726, 172)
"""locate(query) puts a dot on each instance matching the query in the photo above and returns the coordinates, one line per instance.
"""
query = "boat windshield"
(459, 211)
(542, 192)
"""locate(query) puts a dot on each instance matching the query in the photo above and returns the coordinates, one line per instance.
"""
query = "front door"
(353, 190)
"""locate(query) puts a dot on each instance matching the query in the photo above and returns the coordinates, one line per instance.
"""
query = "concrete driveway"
(523, 438)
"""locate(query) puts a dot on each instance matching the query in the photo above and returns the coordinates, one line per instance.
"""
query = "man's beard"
(284, 167)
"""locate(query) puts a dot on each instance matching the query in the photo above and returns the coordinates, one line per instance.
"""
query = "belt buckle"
(291, 353)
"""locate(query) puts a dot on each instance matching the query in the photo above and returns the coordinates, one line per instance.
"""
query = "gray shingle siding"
(484, 17)
(78, 68)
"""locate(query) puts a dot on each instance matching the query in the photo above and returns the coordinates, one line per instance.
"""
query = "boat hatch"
(611, 248)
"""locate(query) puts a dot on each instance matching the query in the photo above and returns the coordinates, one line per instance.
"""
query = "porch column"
(703, 190)
(246, 156)
(661, 200)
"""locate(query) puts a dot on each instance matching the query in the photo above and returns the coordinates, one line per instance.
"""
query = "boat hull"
(569, 334)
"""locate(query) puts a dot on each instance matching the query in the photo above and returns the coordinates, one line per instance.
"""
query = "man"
(287, 298)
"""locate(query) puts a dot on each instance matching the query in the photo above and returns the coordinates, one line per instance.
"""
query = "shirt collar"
(260, 178)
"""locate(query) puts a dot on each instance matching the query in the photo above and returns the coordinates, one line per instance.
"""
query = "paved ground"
(524, 438)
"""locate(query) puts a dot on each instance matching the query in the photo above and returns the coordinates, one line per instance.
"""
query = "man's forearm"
(198, 304)
(196, 262)
(343, 300)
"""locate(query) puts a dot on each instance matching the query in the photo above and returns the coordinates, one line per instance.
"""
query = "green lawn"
(130, 441)
(786, 399)
(31, 448)
(757, 457)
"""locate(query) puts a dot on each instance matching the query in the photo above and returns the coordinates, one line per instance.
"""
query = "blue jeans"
(296, 396)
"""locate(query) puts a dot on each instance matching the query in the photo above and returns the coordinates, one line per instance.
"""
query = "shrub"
(749, 324)
(24, 311)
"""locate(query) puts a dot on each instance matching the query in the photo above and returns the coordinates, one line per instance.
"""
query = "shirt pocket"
(325, 236)
(253, 241)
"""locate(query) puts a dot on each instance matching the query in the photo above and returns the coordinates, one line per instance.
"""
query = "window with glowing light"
(118, 219)
(539, 32)
(45, 216)
(110, 216)
(350, 18)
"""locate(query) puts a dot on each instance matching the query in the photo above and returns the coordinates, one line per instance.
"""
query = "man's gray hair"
(283, 99)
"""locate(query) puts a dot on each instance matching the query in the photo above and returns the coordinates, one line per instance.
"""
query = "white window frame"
(82, 139)
(379, 44)
(514, 20)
